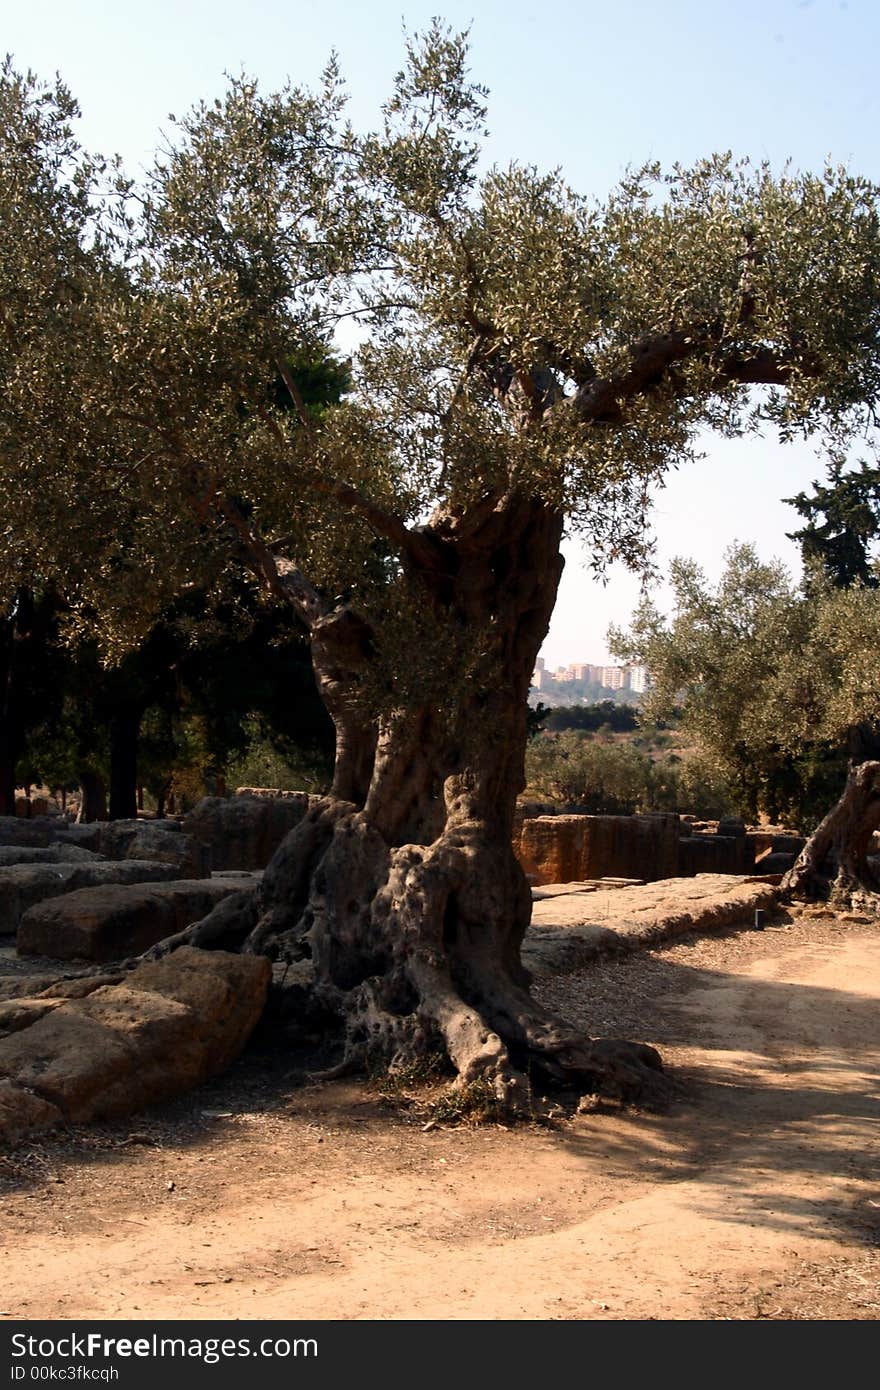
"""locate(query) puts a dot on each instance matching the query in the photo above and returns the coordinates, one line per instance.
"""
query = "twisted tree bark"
(401, 888)
(835, 862)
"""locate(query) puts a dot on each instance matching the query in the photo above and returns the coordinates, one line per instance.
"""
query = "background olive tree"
(778, 686)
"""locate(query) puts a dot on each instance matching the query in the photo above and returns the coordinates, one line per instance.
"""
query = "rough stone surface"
(161, 841)
(49, 854)
(168, 1026)
(15, 831)
(23, 1114)
(21, 1013)
(568, 929)
(79, 986)
(572, 847)
(274, 792)
(141, 839)
(23, 885)
(118, 920)
(775, 843)
(714, 854)
(243, 832)
(24, 977)
(560, 849)
(590, 885)
(87, 835)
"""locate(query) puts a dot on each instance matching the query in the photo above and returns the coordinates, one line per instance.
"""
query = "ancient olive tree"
(525, 358)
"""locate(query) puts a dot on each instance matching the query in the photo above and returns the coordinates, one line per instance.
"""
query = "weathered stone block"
(86, 836)
(243, 832)
(168, 1026)
(274, 792)
(161, 841)
(714, 854)
(117, 921)
(24, 885)
(775, 842)
(562, 849)
(779, 862)
(50, 854)
(16, 1014)
(14, 831)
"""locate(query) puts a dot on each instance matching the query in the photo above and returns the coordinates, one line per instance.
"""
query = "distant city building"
(588, 680)
(614, 678)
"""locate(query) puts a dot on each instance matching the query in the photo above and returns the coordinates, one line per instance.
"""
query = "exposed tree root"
(226, 928)
(397, 902)
(415, 951)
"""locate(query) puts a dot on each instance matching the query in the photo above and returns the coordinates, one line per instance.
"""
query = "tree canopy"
(514, 334)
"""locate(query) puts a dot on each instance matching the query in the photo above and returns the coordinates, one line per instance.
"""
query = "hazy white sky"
(588, 86)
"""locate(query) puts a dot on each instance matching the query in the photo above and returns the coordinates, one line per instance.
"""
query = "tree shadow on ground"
(777, 1123)
(266, 1082)
(778, 1118)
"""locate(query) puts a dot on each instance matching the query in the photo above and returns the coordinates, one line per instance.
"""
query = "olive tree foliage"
(529, 358)
(599, 777)
(54, 264)
(596, 777)
(718, 657)
(773, 678)
(519, 335)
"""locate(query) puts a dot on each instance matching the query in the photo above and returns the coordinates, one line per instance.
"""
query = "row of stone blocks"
(108, 890)
(570, 848)
(75, 1048)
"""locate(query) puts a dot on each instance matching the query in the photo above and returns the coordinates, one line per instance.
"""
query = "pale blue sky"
(589, 87)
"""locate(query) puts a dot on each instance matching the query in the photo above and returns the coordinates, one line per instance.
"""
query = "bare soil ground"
(754, 1195)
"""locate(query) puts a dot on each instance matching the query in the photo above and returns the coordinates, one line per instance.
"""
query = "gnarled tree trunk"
(401, 888)
(834, 863)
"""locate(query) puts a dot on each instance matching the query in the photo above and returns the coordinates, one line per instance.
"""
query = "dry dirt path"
(755, 1195)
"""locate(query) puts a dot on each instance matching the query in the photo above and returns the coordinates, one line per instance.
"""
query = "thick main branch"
(599, 401)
